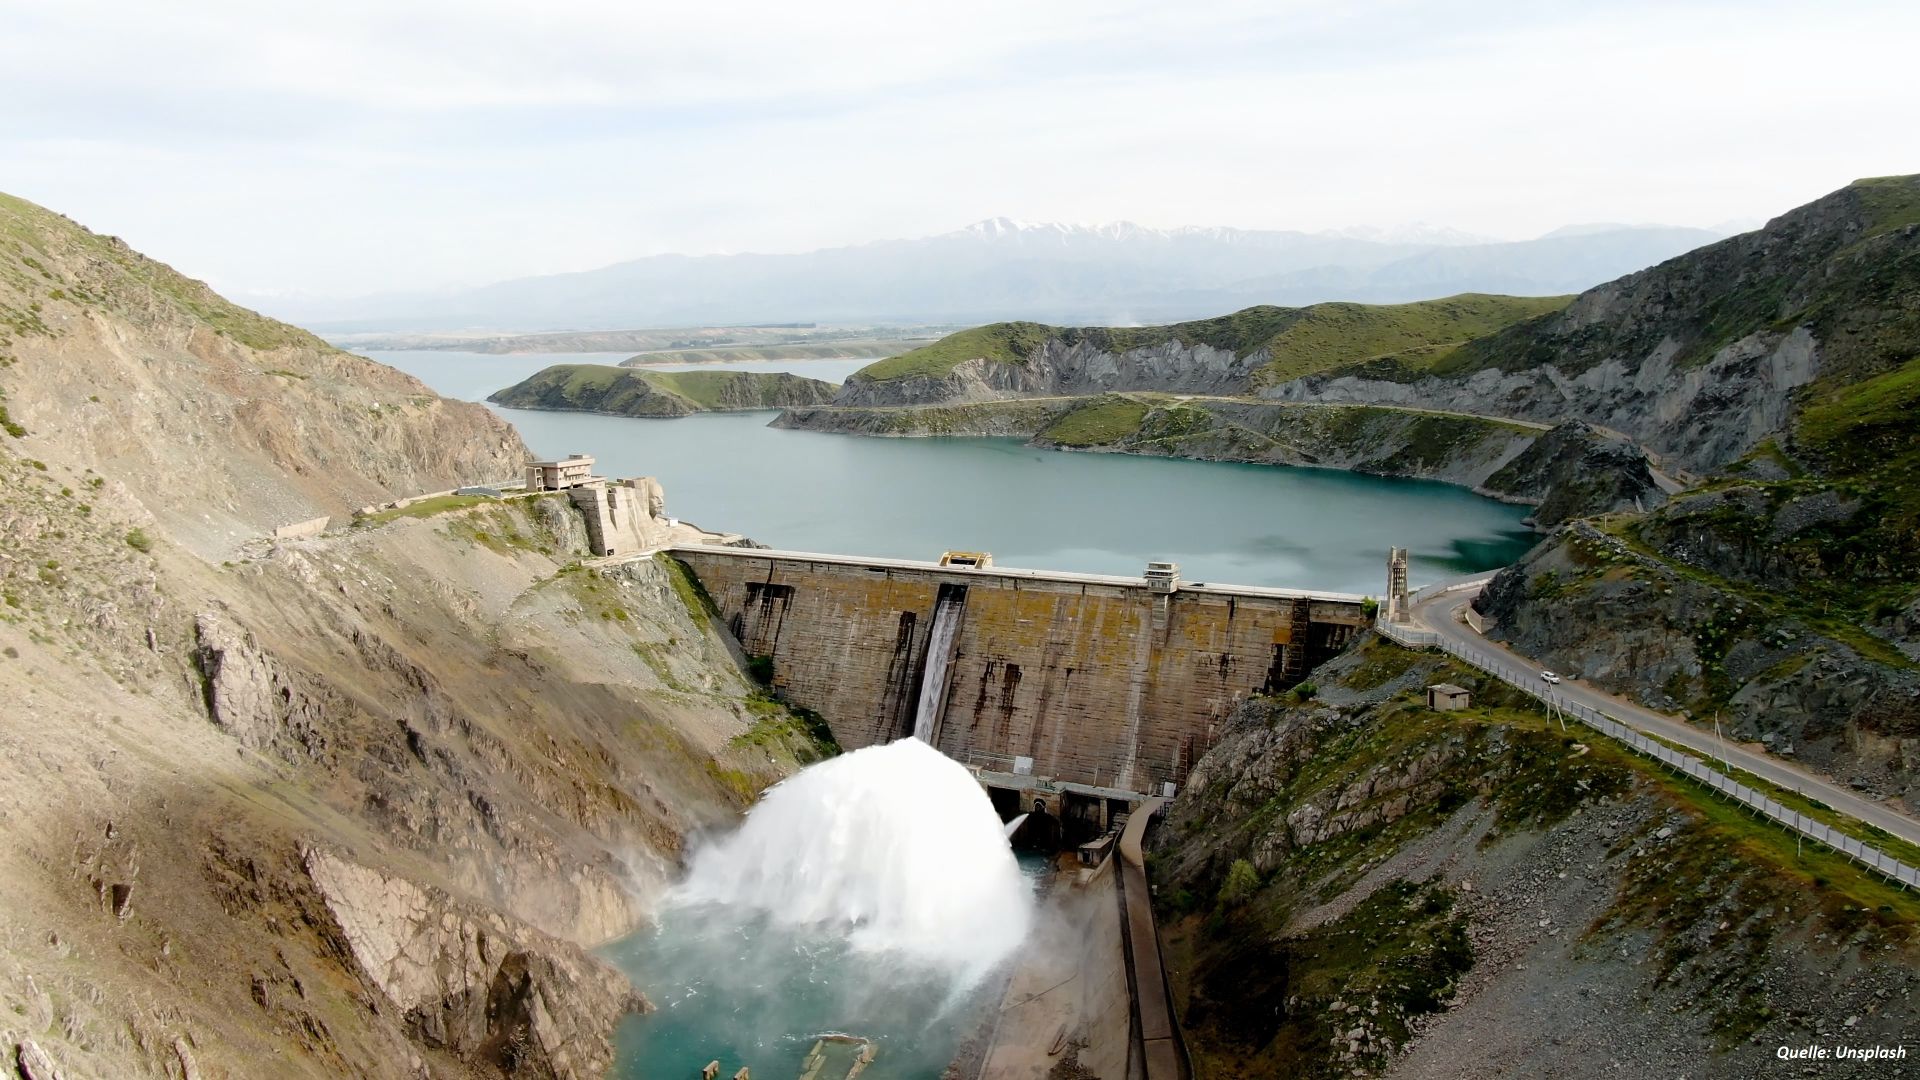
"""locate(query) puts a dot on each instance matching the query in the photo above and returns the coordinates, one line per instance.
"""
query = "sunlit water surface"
(1097, 513)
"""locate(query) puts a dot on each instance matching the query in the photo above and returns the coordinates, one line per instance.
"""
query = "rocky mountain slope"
(1232, 354)
(1704, 356)
(1780, 595)
(624, 391)
(1203, 390)
(350, 805)
(219, 422)
(1352, 884)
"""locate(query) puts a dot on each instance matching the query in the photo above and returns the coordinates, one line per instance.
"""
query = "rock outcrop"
(1577, 470)
(471, 981)
(1461, 450)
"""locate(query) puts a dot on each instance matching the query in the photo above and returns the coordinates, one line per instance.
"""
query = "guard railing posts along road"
(1622, 732)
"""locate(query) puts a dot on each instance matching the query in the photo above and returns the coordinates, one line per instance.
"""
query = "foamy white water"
(897, 845)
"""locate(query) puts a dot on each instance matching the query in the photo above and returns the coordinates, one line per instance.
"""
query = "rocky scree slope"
(1702, 357)
(353, 805)
(623, 391)
(1351, 884)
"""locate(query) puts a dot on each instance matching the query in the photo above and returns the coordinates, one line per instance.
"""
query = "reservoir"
(1043, 509)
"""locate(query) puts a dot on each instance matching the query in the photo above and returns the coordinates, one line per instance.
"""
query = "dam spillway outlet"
(869, 895)
(942, 641)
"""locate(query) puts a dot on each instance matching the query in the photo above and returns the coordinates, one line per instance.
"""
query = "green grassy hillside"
(1302, 340)
(1005, 343)
(1099, 422)
(639, 392)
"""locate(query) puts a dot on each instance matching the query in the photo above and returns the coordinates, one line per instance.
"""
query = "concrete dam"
(1099, 682)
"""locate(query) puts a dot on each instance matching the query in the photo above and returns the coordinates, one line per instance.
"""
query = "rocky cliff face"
(1352, 884)
(1701, 416)
(1577, 470)
(1701, 356)
(356, 804)
(1062, 369)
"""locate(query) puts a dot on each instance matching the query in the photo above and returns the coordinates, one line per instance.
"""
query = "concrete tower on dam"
(1094, 680)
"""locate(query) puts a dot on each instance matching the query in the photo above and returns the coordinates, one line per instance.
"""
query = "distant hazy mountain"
(1563, 261)
(1002, 269)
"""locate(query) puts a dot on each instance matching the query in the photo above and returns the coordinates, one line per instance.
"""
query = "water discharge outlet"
(942, 641)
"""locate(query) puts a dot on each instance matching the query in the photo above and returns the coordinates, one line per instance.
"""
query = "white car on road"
(1549, 678)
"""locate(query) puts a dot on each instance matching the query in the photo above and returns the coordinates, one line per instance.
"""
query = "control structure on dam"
(1096, 681)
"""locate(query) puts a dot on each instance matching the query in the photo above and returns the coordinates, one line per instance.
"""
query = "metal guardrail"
(1447, 585)
(1410, 636)
(1528, 682)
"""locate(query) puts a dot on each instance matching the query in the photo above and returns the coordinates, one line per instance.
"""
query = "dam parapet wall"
(1089, 679)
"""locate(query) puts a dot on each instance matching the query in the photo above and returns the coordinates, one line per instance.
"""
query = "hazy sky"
(355, 147)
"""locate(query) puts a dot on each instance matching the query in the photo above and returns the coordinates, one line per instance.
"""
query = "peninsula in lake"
(621, 391)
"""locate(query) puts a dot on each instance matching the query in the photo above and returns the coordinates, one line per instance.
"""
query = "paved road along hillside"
(1441, 614)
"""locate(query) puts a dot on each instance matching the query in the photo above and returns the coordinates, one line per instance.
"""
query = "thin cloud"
(398, 145)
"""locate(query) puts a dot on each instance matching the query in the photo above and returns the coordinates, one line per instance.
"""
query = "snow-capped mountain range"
(1004, 268)
(1417, 233)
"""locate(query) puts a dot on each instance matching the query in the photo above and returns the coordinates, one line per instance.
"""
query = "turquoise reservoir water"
(737, 989)
(1098, 513)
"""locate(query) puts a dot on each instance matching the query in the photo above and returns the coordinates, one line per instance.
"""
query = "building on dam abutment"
(1091, 681)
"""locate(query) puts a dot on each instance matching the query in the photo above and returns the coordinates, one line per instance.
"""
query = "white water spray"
(933, 684)
(898, 844)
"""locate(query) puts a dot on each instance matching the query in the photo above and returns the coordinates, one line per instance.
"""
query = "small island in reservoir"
(619, 391)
